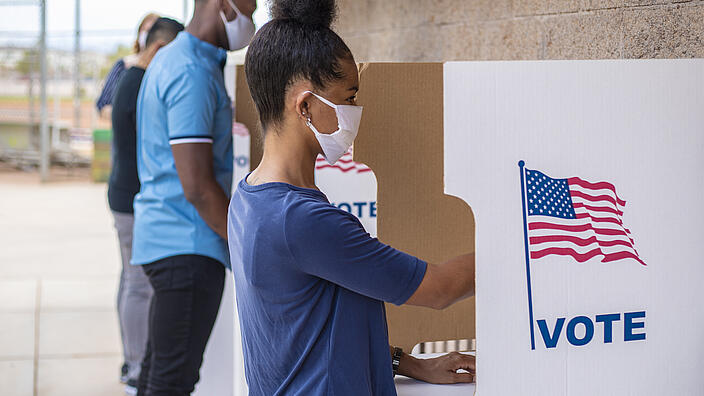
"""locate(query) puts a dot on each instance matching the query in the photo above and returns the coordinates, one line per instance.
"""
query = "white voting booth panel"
(218, 362)
(222, 372)
(603, 324)
(351, 187)
(241, 142)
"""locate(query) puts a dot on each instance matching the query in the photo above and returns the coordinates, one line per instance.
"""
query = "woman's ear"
(302, 106)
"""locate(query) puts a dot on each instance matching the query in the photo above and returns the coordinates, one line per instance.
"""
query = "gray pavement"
(59, 266)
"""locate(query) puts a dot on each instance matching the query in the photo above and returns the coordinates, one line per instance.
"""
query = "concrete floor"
(59, 266)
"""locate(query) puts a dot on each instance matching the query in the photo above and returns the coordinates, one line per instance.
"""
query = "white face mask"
(336, 144)
(142, 40)
(239, 31)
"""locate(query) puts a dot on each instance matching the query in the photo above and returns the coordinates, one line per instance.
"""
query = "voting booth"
(585, 180)
(577, 185)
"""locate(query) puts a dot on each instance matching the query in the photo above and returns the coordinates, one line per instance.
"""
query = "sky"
(105, 23)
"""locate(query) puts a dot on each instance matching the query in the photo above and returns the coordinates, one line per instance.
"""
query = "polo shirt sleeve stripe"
(190, 139)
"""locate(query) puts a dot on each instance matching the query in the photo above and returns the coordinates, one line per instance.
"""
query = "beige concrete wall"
(443, 30)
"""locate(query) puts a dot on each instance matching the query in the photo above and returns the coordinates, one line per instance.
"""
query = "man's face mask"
(336, 144)
(239, 31)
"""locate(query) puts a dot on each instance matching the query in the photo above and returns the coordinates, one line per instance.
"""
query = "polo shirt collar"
(216, 55)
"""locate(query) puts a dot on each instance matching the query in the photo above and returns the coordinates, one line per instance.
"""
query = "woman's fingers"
(444, 369)
(463, 377)
(462, 361)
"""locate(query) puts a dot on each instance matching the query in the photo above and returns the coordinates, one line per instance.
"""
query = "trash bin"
(102, 147)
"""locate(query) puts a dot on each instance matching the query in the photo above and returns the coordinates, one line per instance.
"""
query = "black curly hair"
(296, 44)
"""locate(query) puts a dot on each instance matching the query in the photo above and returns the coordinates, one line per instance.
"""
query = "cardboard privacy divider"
(401, 140)
(565, 304)
(246, 113)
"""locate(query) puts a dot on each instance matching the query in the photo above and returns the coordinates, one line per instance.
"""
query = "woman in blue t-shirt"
(311, 282)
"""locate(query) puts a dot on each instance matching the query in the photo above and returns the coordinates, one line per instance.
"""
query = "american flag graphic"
(344, 164)
(576, 218)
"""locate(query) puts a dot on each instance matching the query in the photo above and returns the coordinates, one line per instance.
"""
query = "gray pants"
(133, 299)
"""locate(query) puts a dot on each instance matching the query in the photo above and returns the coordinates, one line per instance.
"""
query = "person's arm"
(108, 91)
(191, 101)
(145, 57)
(332, 244)
(194, 164)
(439, 370)
(445, 284)
(345, 254)
(442, 286)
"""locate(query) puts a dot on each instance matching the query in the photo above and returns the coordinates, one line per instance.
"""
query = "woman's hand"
(145, 57)
(439, 370)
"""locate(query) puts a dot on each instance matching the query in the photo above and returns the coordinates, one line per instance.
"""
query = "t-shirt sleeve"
(111, 81)
(190, 101)
(332, 244)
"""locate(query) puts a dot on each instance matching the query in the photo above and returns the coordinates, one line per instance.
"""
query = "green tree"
(120, 52)
(28, 63)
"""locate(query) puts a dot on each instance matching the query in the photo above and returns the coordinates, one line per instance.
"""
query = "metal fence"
(47, 95)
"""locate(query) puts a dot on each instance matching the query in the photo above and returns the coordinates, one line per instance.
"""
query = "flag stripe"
(595, 193)
(597, 213)
(583, 249)
(582, 213)
(609, 246)
(592, 198)
(582, 257)
(572, 227)
(342, 160)
(583, 235)
(351, 168)
(596, 186)
(604, 220)
(576, 221)
(597, 208)
(599, 219)
(538, 225)
(578, 241)
(344, 164)
(621, 256)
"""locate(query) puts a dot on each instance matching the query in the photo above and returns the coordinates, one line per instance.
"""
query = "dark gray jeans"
(133, 299)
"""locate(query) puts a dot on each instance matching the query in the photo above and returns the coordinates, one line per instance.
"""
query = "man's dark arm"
(194, 164)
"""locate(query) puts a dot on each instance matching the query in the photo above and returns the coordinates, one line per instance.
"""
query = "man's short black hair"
(164, 29)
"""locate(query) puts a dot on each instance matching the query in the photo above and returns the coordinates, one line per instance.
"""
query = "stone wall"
(444, 30)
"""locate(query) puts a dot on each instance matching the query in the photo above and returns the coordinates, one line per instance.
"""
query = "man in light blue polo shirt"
(184, 160)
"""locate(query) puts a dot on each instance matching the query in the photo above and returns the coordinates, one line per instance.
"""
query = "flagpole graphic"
(521, 165)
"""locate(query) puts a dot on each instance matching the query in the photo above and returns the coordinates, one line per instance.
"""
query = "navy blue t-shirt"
(311, 285)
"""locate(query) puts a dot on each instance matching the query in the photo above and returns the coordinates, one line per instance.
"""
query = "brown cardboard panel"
(246, 113)
(401, 139)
